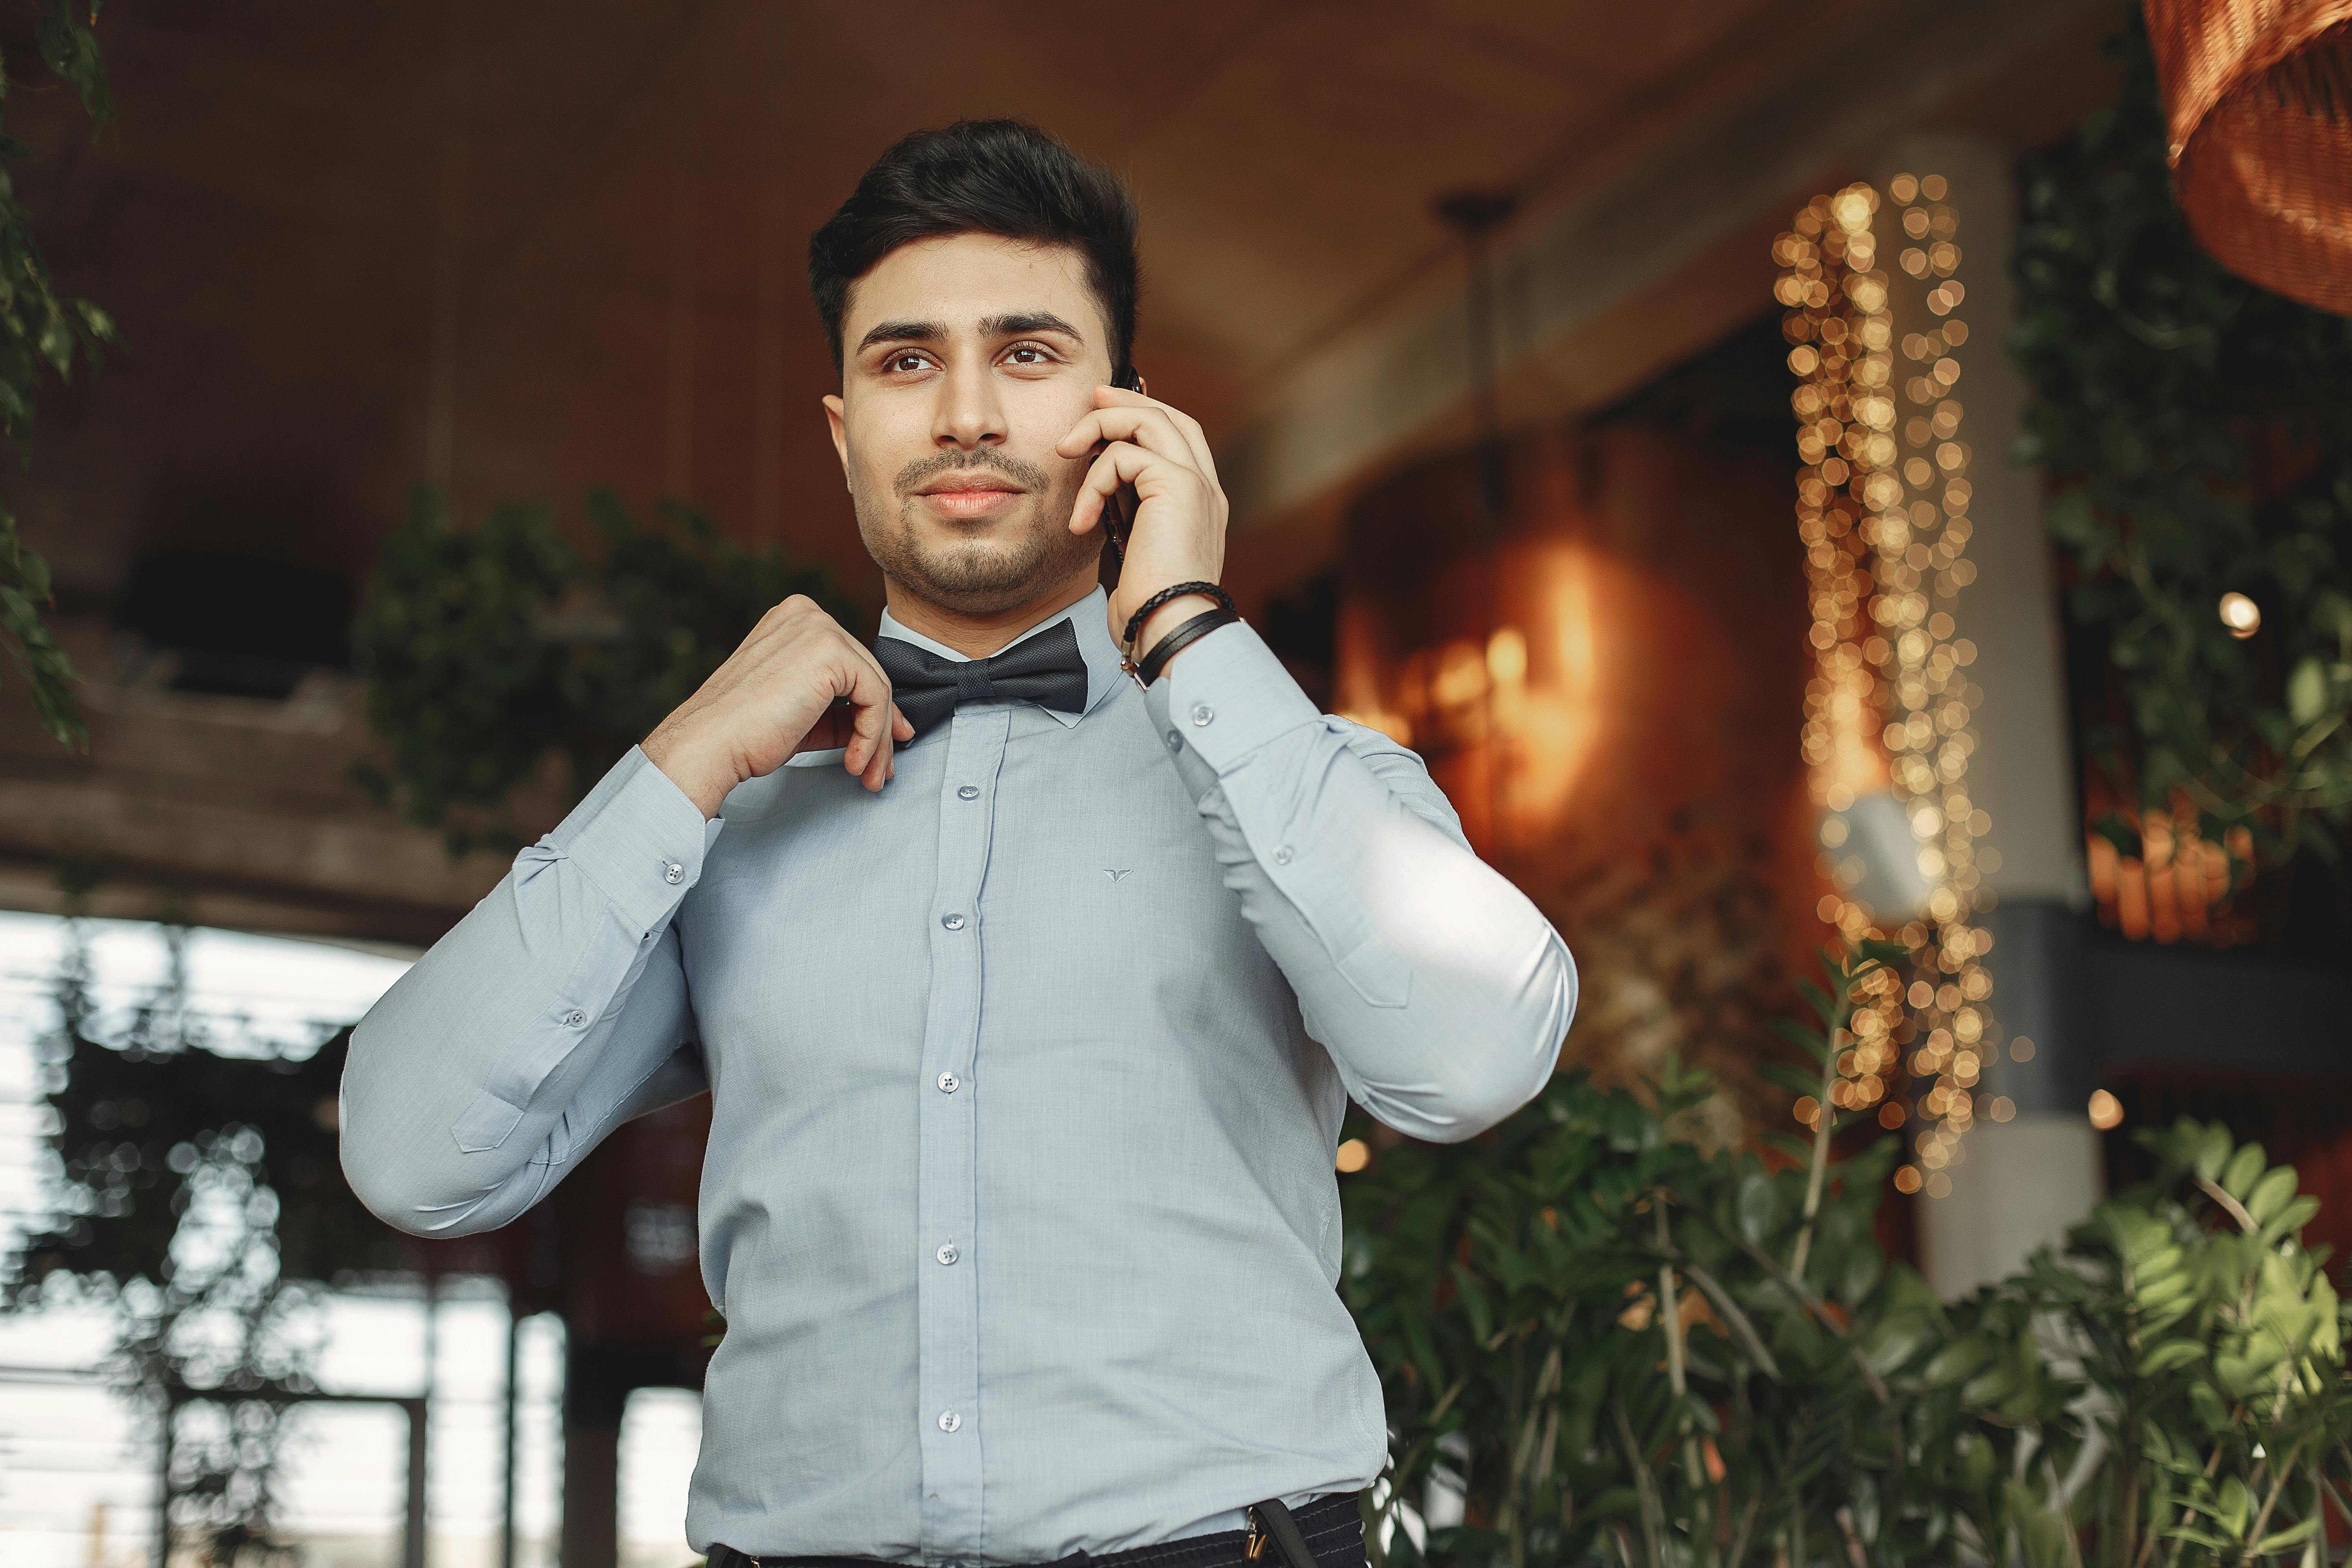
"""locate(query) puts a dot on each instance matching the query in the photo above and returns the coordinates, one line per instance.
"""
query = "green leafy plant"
(2207, 1417)
(39, 330)
(488, 648)
(2202, 430)
(1617, 1344)
(1607, 1343)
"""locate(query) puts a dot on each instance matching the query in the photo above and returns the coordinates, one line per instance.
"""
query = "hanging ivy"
(39, 331)
(2200, 430)
(488, 648)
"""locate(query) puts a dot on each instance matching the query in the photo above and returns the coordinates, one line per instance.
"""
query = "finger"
(1195, 437)
(868, 753)
(868, 690)
(864, 656)
(838, 731)
(1187, 428)
(878, 723)
(1083, 437)
(831, 730)
(1149, 428)
(872, 667)
(1117, 465)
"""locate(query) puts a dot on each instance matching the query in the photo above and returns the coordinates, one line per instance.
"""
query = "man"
(1027, 998)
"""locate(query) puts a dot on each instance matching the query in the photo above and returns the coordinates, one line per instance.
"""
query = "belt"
(1326, 1533)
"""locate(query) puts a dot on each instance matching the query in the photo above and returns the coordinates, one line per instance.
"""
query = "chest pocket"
(1378, 975)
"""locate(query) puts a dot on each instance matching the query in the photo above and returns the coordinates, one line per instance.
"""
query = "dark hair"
(983, 177)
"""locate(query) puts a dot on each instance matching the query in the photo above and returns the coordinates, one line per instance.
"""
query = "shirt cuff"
(1228, 695)
(638, 840)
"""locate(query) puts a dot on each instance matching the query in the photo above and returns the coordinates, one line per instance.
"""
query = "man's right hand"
(774, 698)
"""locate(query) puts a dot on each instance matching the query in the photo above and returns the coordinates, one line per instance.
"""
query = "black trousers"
(1333, 1526)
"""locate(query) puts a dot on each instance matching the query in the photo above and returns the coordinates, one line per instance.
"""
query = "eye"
(908, 362)
(1028, 354)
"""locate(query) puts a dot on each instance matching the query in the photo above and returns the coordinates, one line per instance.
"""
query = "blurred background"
(1796, 472)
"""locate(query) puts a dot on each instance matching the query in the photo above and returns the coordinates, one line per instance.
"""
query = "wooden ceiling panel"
(264, 222)
(1613, 45)
(1303, 175)
(849, 81)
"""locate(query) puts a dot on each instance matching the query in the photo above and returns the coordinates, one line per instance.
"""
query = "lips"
(969, 498)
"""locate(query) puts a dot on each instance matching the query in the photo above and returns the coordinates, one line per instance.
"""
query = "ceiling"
(540, 246)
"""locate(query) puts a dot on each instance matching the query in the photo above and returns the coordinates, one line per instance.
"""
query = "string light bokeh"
(1882, 501)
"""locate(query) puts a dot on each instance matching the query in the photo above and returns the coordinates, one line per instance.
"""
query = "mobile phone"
(1118, 508)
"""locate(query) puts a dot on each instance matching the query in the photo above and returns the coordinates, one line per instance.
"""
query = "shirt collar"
(1088, 618)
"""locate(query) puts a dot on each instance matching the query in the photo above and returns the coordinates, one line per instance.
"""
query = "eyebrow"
(1014, 326)
(1007, 326)
(902, 332)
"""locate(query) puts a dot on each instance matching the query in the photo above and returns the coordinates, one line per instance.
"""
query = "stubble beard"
(996, 566)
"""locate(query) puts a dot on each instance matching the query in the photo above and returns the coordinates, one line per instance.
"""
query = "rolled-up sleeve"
(1440, 991)
(556, 1009)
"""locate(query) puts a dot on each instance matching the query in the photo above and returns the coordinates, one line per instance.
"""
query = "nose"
(968, 414)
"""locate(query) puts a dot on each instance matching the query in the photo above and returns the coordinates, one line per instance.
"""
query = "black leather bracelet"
(1134, 622)
(1182, 638)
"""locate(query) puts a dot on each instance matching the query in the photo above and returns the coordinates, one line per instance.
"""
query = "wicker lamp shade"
(2258, 101)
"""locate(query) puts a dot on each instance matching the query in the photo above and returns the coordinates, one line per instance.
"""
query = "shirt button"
(947, 1253)
(950, 1420)
(949, 1083)
(953, 922)
(673, 873)
(1282, 855)
(1202, 713)
(576, 1017)
(1175, 742)
(967, 792)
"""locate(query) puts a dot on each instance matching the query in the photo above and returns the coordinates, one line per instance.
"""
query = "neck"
(979, 636)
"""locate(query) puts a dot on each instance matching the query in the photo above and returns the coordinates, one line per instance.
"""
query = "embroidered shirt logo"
(1117, 876)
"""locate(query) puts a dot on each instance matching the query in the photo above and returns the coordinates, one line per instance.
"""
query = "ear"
(833, 410)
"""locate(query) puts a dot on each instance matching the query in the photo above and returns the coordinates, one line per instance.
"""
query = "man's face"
(964, 360)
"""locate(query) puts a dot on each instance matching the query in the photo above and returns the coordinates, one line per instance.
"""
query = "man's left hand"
(1179, 517)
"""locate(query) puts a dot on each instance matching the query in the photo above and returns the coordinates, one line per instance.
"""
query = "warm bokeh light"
(2179, 886)
(1358, 696)
(1506, 657)
(1550, 731)
(1883, 514)
(2106, 1110)
(2241, 614)
(1459, 678)
(1353, 1156)
(1528, 699)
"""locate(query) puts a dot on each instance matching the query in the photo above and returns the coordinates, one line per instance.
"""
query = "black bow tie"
(1046, 669)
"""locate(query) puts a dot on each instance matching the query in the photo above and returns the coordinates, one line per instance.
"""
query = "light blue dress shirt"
(1025, 1076)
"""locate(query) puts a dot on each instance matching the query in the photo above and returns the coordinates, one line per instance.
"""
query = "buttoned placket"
(948, 1299)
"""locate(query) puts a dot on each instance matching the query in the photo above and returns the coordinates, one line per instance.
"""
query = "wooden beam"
(1690, 209)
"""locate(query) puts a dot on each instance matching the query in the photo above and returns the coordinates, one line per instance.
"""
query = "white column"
(2023, 1182)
